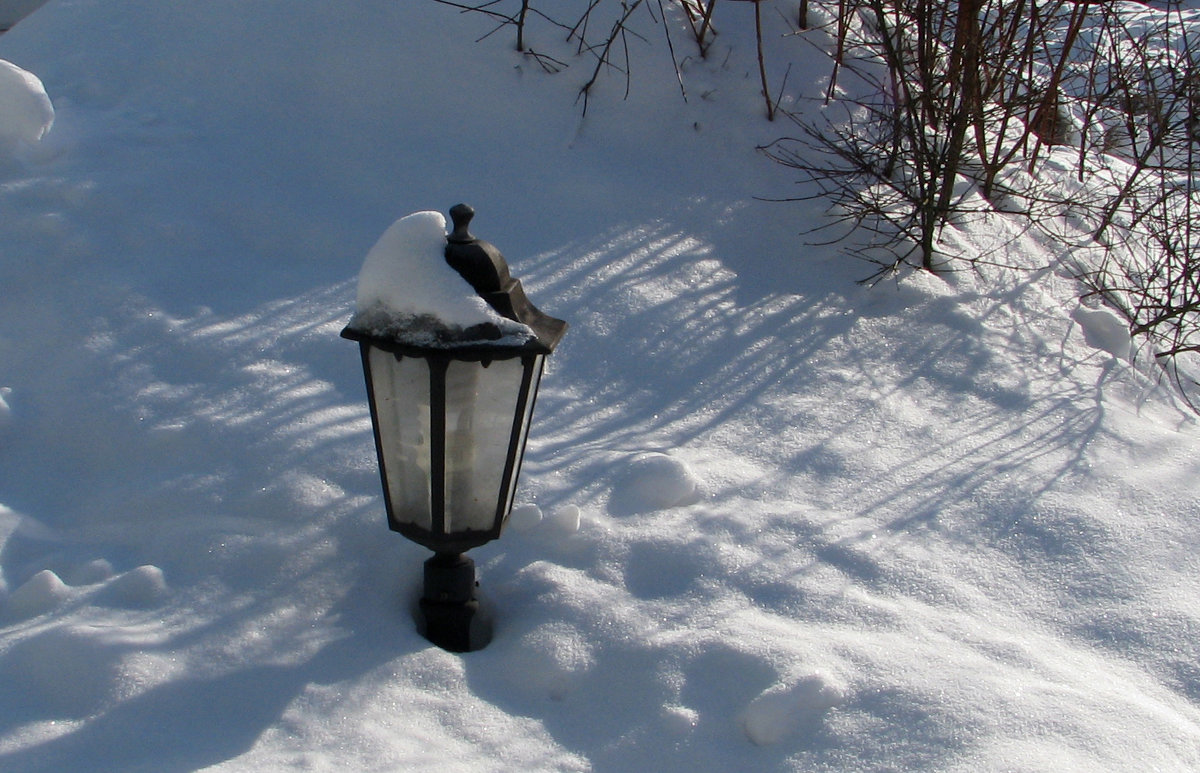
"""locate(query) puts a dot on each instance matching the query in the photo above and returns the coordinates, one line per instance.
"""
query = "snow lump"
(26, 113)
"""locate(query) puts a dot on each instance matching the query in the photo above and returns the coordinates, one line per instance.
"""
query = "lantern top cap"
(460, 215)
(482, 265)
(486, 271)
(477, 261)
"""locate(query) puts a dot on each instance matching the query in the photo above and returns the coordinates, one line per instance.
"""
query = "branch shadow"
(228, 441)
(192, 722)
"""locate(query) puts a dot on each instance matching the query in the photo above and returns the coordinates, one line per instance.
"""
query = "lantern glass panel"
(401, 393)
(480, 407)
(525, 419)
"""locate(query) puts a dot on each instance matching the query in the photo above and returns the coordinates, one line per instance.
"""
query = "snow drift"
(768, 519)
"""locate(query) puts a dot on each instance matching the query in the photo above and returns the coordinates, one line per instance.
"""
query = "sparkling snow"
(769, 519)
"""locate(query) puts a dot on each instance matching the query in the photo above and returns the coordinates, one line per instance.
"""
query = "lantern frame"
(438, 361)
(485, 269)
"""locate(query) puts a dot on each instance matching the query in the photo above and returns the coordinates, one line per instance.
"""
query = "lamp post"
(451, 409)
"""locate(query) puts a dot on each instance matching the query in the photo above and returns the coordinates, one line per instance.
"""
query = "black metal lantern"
(451, 411)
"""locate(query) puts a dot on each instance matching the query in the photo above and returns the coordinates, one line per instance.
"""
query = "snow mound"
(91, 573)
(565, 520)
(40, 593)
(653, 481)
(139, 587)
(781, 710)
(26, 113)
(1104, 330)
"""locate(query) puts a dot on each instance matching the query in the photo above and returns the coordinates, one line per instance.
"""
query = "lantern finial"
(482, 265)
(461, 215)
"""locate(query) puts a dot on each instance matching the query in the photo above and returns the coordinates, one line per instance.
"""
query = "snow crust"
(768, 520)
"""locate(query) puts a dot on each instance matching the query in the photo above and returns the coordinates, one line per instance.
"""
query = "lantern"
(451, 410)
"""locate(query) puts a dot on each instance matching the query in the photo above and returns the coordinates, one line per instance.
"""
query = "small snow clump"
(654, 481)
(566, 520)
(525, 518)
(778, 712)
(26, 113)
(1104, 330)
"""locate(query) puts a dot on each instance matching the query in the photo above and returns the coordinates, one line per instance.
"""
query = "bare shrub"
(937, 112)
(1144, 95)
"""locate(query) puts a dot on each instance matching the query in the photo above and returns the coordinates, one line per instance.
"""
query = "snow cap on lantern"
(422, 288)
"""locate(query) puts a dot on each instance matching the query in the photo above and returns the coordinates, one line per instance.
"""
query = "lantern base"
(449, 608)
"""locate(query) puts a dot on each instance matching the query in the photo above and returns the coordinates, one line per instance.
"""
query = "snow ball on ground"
(778, 712)
(405, 281)
(40, 593)
(524, 518)
(1103, 329)
(26, 113)
(653, 481)
(139, 587)
(565, 520)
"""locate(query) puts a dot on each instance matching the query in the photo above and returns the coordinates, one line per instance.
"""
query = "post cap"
(486, 270)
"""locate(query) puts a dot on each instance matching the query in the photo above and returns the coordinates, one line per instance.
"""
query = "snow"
(777, 713)
(768, 519)
(28, 113)
(406, 286)
(524, 518)
(654, 481)
(1104, 330)
(5, 408)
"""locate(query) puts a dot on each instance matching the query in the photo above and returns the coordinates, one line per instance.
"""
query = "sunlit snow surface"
(769, 520)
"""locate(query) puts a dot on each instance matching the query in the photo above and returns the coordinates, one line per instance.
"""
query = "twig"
(547, 62)
(602, 58)
(671, 49)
